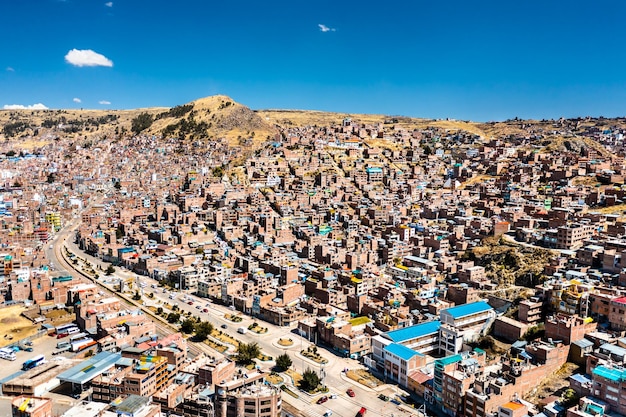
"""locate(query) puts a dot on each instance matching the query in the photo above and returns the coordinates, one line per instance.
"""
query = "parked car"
(332, 396)
(322, 400)
(223, 326)
(205, 310)
(190, 303)
(328, 413)
(350, 392)
(361, 412)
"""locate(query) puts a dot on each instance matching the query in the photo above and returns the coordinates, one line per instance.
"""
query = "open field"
(13, 326)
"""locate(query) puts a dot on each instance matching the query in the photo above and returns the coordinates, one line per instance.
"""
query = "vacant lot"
(13, 326)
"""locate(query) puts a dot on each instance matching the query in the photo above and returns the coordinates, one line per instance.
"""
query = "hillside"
(215, 118)
(220, 118)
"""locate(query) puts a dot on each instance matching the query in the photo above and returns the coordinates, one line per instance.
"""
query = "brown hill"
(215, 117)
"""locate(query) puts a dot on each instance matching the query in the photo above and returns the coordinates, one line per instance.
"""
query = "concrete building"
(26, 406)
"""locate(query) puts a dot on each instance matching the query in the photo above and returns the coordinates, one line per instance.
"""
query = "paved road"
(343, 406)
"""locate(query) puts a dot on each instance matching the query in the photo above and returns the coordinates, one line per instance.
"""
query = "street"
(335, 379)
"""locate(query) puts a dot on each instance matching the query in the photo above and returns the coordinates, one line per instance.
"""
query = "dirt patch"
(285, 342)
(295, 377)
(13, 326)
(10, 320)
(553, 384)
(274, 379)
(57, 317)
(364, 378)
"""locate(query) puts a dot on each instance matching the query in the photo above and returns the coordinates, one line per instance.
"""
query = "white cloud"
(324, 28)
(10, 69)
(87, 58)
(109, 4)
(104, 102)
(76, 100)
(37, 106)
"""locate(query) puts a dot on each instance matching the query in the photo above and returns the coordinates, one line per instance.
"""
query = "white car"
(328, 413)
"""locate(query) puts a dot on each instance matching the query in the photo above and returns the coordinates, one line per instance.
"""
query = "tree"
(159, 310)
(569, 398)
(246, 352)
(187, 326)
(310, 380)
(203, 330)
(173, 317)
(110, 270)
(137, 296)
(141, 123)
(283, 362)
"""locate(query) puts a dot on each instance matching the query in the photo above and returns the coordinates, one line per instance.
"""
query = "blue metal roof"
(615, 375)
(90, 368)
(401, 351)
(467, 309)
(413, 332)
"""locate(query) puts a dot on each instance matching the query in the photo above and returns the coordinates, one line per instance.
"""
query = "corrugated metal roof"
(401, 351)
(414, 332)
(90, 368)
(467, 309)
(616, 375)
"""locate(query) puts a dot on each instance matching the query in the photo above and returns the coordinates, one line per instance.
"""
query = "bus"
(7, 353)
(84, 344)
(78, 336)
(64, 330)
(65, 327)
(31, 363)
(65, 344)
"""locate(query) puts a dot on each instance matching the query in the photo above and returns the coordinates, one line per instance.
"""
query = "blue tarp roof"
(414, 332)
(401, 351)
(468, 309)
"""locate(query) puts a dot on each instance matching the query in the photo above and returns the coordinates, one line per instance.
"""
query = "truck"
(242, 330)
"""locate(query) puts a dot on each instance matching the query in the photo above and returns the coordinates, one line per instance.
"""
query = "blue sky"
(484, 60)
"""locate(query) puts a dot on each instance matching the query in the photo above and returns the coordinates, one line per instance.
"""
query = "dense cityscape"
(294, 264)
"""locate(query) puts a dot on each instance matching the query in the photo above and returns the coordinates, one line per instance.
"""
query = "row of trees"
(200, 329)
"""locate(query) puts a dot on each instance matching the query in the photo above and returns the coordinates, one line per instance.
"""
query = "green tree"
(137, 296)
(310, 381)
(569, 398)
(246, 352)
(141, 123)
(187, 326)
(203, 330)
(283, 362)
(173, 317)
(110, 270)
(159, 310)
